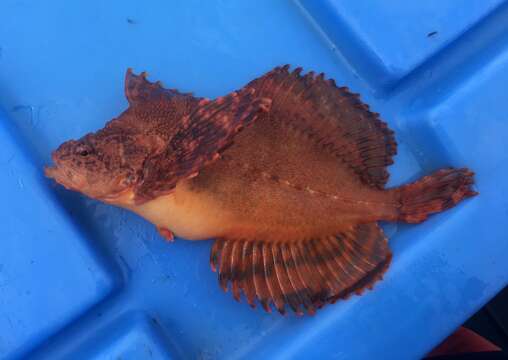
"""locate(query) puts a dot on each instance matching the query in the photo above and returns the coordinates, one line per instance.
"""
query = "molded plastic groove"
(133, 334)
(460, 60)
(379, 67)
(63, 344)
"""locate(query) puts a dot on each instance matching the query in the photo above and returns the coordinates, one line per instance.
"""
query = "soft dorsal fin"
(333, 117)
(305, 275)
(197, 140)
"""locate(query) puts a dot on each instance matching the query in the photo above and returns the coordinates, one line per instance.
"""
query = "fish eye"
(83, 150)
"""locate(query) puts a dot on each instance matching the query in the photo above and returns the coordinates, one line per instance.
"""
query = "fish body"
(288, 175)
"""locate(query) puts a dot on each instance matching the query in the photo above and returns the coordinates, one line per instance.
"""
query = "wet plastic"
(79, 279)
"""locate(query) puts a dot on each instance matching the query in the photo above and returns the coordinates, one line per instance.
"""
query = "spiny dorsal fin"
(153, 110)
(138, 90)
(333, 117)
(305, 275)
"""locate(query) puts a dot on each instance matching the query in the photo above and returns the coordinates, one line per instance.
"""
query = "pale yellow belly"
(185, 213)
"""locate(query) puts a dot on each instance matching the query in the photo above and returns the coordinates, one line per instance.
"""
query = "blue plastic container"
(82, 280)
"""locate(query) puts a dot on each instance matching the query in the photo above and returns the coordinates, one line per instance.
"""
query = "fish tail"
(434, 193)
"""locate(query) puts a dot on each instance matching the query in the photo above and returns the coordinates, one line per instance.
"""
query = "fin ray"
(260, 283)
(271, 278)
(288, 294)
(236, 258)
(224, 265)
(247, 276)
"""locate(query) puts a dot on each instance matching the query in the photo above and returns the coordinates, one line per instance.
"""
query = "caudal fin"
(434, 193)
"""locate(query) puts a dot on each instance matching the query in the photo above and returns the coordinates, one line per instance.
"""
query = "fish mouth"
(51, 172)
(62, 176)
(68, 179)
(55, 173)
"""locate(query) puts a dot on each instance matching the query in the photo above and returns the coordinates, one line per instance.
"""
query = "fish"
(287, 174)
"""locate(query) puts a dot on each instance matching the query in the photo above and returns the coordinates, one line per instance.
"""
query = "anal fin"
(304, 275)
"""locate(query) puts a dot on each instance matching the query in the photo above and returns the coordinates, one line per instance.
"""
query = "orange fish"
(288, 174)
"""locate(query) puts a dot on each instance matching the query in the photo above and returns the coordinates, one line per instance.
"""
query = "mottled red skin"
(156, 142)
(288, 173)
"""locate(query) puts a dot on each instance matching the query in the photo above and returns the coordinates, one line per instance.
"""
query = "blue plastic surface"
(79, 279)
